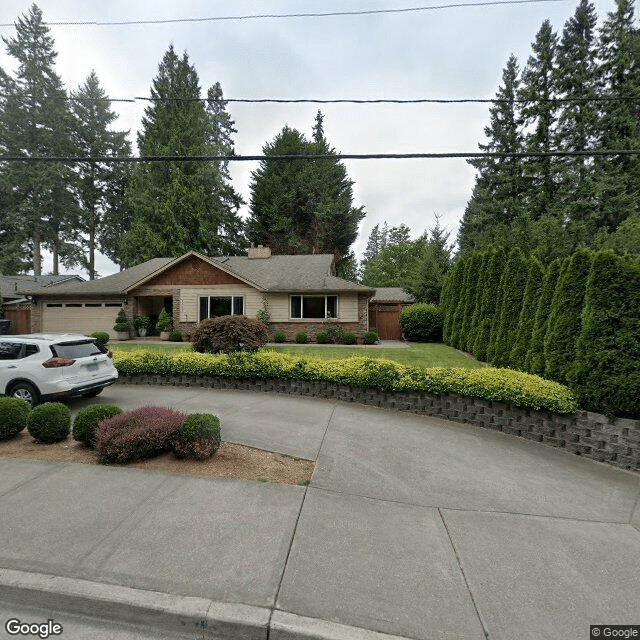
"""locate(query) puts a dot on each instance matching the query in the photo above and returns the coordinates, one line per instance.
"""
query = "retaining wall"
(583, 433)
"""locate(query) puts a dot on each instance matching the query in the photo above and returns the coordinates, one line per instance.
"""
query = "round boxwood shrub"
(302, 338)
(87, 419)
(198, 437)
(175, 336)
(349, 338)
(102, 337)
(371, 337)
(13, 417)
(49, 422)
(280, 336)
(229, 333)
(421, 323)
(322, 337)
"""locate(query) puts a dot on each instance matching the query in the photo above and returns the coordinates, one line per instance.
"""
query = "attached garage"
(79, 317)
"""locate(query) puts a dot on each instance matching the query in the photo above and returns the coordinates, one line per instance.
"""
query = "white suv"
(42, 366)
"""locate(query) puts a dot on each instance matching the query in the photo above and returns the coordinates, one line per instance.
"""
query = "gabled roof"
(299, 273)
(18, 286)
(392, 294)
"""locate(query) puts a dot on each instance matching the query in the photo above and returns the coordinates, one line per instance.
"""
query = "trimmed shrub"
(534, 362)
(175, 336)
(302, 338)
(279, 336)
(164, 321)
(606, 374)
(322, 337)
(229, 333)
(198, 437)
(335, 333)
(122, 324)
(87, 419)
(13, 416)
(102, 337)
(371, 337)
(421, 322)
(349, 338)
(49, 422)
(138, 434)
(565, 319)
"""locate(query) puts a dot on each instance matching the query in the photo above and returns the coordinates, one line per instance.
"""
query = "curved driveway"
(411, 526)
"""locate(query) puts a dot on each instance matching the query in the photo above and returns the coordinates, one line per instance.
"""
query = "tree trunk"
(37, 254)
(56, 252)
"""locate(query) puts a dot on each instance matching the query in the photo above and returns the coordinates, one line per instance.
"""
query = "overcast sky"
(446, 53)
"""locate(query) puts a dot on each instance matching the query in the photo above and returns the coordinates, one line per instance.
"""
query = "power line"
(338, 156)
(289, 15)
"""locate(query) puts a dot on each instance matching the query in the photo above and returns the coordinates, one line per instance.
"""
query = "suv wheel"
(25, 391)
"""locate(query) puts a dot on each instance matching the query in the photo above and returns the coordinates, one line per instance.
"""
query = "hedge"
(519, 389)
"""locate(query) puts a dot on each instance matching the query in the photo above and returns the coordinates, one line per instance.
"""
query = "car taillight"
(58, 362)
(109, 354)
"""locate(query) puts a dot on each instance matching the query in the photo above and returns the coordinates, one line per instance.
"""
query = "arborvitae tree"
(565, 319)
(606, 373)
(619, 124)
(303, 206)
(95, 180)
(497, 197)
(466, 336)
(511, 299)
(539, 113)
(534, 361)
(575, 77)
(453, 288)
(487, 310)
(179, 206)
(37, 123)
(527, 315)
(455, 331)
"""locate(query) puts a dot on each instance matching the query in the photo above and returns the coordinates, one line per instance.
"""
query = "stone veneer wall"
(582, 433)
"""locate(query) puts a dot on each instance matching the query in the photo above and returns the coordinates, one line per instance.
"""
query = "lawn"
(428, 354)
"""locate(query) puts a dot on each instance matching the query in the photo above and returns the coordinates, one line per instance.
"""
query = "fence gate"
(20, 319)
(386, 320)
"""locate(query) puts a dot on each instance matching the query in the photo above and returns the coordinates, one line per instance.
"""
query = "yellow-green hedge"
(517, 388)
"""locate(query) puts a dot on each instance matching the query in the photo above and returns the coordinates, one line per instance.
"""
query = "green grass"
(429, 354)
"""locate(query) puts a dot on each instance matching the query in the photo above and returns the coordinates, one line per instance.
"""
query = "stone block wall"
(582, 433)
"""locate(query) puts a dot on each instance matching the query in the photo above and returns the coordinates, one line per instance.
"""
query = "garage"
(79, 317)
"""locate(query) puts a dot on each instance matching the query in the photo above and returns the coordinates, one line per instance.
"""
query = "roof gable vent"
(259, 252)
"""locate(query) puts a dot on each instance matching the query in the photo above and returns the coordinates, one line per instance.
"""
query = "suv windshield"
(79, 349)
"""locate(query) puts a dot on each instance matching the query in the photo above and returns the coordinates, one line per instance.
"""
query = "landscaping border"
(583, 433)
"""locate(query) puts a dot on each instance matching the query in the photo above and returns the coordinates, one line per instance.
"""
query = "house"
(384, 311)
(16, 291)
(299, 292)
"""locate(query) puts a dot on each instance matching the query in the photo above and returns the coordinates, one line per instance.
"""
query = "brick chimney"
(259, 252)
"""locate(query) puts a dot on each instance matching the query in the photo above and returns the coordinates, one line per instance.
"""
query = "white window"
(314, 307)
(214, 306)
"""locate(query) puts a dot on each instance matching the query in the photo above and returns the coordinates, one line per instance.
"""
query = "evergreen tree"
(303, 206)
(180, 206)
(391, 257)
(565, 318)
(606, 374)
(37, 123)
(496, 201)
(465, 336)
(511, 300)
(455, 330)
(534, 361)
(452, 290)
(95, 180)
(527, 315)
(488, 303)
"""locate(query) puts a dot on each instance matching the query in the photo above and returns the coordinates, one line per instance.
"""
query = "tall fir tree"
(179, 206)
(96, 180)
(37, 122)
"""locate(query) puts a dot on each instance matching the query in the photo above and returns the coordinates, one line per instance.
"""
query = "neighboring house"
(16, 292)
(299, 292)
(384, 311)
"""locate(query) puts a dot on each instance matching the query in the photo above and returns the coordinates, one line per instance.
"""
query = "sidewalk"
(411, 527)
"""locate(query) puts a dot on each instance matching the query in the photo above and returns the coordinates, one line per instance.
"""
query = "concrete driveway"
(413, 527)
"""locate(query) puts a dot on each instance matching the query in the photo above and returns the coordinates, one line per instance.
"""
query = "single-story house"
(385, 308)
(299, 292)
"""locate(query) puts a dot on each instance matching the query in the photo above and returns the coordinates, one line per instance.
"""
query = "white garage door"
(79, 317)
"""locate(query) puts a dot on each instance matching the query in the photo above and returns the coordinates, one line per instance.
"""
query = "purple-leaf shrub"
(137, 434)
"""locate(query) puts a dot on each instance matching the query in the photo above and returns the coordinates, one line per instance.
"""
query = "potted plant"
(121, 326)
(165, 321)
(141, 323)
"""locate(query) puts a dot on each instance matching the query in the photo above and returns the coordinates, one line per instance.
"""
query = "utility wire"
(338, 156)
(288, 15)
